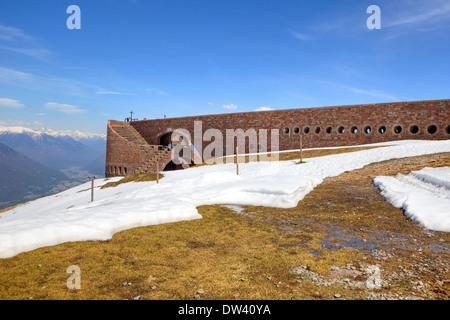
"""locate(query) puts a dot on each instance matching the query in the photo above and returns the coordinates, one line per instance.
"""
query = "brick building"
(148, 145)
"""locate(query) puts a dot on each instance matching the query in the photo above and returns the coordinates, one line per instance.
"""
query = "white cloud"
(45, 83)
(229, 106)
(264, 109)
(38, 53)
(107, 92)
(9, 33)
(13, 123)
(157, 91)
(5, 102)
(300, 36)
(373, 93)
(211, 103)
(65, 108)
(368, 92)
(418, 12)
(18, 41)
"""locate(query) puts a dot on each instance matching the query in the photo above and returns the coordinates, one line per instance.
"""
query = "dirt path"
(414, 262)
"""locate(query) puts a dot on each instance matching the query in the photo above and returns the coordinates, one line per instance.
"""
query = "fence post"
(157, 171)
(237, 161)
(301, 148)
(92, 190)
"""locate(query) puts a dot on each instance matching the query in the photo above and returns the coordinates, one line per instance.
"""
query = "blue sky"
(192, 57)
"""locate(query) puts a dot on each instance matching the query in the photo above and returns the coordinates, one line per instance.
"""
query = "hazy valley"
(38, 163)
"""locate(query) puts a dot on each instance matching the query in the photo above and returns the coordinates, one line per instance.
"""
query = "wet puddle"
(347, 240)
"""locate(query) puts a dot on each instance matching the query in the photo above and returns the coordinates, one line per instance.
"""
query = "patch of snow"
(235, 208)
(423, 195)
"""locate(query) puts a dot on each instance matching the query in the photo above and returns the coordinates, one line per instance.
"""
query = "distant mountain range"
(56, 149)
(35, 162)
(23, 179)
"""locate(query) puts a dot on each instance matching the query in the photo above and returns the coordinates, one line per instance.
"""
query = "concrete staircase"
(150, 155)
(128, 132)
(153, 156)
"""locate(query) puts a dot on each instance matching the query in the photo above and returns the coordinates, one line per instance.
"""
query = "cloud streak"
(230, 106)
(29, 81)
(64, 108)
(300, 36)
(10, 103)
(108, 92)
(17, 41)
(429, 12)
(9, 33)
(264, 109)
(367, 92)
(157, 91)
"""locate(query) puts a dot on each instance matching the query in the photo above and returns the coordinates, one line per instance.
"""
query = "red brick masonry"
(319, 127)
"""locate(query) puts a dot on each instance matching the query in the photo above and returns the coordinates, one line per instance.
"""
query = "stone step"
(130, 134)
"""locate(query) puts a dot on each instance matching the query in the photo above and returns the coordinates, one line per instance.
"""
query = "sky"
(180, 58)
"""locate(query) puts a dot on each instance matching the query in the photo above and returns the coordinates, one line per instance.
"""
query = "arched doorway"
(172, 166)
(166, 140)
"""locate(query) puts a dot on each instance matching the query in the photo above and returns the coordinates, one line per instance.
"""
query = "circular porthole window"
(329, 130)
(414, 129)
(382, 129)
(354, 130)
(317, 130)
(296, 130)
(448, 129)
(432, 129)
(341, 130)
(397, 129)
(286, 130)
(367, 129)
(306, 130)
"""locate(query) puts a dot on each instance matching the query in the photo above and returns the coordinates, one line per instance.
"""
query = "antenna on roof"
(129, 119)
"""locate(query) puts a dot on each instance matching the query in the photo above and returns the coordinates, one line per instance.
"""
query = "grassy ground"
(320, 249)
(137, 177)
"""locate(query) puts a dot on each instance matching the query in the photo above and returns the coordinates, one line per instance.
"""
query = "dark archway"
(172, 166)
(166, 139)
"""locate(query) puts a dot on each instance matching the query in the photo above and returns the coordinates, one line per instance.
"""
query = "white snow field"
(423, 195)
(70, 216)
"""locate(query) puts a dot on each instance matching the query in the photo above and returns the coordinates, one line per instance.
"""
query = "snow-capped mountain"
(47, 160)
(74, 134)
(56, 149)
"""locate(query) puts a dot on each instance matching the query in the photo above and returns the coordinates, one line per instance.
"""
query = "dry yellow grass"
(137, 177)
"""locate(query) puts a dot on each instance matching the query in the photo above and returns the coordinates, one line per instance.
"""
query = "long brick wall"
(319, 127)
